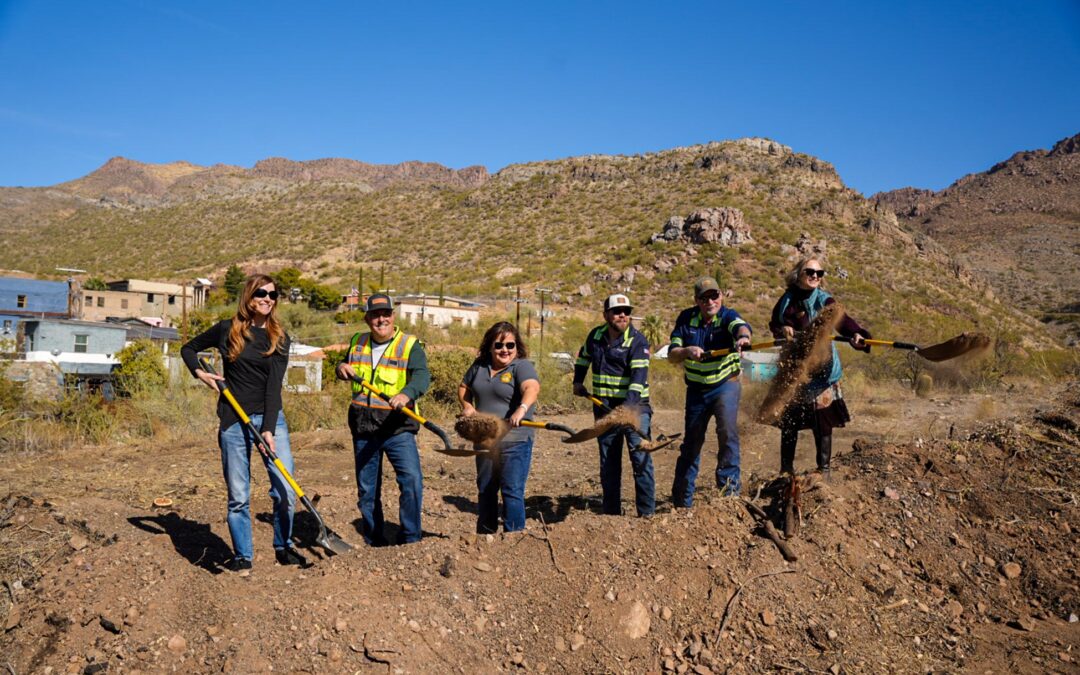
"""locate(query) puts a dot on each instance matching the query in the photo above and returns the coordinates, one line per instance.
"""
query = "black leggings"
(789, 438)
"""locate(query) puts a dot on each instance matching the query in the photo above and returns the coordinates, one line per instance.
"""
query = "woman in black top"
(255, 354)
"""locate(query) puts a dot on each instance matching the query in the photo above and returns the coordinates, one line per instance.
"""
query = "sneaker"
(239, 564)
(288, 556)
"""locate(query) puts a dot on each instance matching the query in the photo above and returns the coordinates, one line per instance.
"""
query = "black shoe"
(288, 556)
(239, 564)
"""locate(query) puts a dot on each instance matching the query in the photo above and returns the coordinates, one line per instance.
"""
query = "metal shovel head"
(661, 441)
(965, 343)
(622, 416)
(331, 542)
(462, 451)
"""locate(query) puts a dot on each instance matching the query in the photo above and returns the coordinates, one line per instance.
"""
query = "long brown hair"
(493, 333)
(240, 331)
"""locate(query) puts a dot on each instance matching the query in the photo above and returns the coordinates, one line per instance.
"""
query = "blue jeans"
(236, 445)
(721, 402)
(401, 450)
(611, 448)
(505, 471)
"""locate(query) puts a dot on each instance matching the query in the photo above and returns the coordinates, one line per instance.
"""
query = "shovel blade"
(461, 451)
(331, 542)
(965, 343)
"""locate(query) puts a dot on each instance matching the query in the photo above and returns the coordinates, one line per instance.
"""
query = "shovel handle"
(260, 443)
(550, 426)
(598, 403)
(405, 409)
(749, 348)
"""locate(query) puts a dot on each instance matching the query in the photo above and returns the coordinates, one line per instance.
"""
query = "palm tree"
(653, 329)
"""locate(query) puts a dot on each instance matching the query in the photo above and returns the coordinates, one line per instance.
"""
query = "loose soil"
(942, 543)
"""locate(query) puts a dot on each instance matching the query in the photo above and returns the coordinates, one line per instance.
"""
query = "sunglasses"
(708, 297)
(620, 311)
(814, 273)
(505, 345)
(263, 293)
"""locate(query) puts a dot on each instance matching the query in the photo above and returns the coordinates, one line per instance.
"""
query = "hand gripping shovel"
(447, 448)
(326, 537)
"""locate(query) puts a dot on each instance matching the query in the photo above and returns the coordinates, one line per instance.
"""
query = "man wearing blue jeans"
(394, 364)
(712, 387)
(618, 355)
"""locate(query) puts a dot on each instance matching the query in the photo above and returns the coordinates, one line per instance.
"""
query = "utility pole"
(517, 314)
(183, 312)
(360, 288)
(543, 293)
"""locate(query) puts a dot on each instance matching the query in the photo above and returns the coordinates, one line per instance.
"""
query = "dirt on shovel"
(484, 430)
(623, 416)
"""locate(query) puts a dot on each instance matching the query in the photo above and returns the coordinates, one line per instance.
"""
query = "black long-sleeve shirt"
(255, 380)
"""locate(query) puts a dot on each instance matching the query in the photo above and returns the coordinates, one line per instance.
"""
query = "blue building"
(22, 299)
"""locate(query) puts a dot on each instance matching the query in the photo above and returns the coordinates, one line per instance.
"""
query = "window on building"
(80, 343)
(7, 325)
(123, 303)
(149, 297)
(20, 302)
(172, 299)
(101, 301)
(90, 301)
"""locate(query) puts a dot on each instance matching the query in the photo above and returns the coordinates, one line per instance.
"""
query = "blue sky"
(893, 94)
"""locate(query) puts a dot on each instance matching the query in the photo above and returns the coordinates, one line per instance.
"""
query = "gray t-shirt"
(500, 395)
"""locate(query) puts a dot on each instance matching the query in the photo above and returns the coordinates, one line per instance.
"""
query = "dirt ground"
(944, 542)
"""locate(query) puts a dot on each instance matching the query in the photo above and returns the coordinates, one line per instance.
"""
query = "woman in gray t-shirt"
(504, 383)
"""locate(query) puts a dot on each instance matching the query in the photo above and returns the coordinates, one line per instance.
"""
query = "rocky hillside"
(1018, 223)
(583, 226)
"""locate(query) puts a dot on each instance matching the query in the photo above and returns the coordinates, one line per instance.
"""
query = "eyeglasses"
(620, 311)
(263, 293)
(708, 297)
(814, 273)
(509, 346)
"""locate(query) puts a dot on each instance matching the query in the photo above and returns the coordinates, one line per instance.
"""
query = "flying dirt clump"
(482, 429)
(809, 350)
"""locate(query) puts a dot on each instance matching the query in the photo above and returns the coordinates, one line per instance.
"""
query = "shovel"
(662, 441)
(943, 351)
(326, 538)
(550, 426)
(447, 448)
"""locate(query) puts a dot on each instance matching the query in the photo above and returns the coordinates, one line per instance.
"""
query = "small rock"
(577, 641)
(480, 623)
(483, 566)
(177, 644)
(832, 634)
(1011, 570)
(95, 656)
(414, 626)
(335, 655)
(14, 617)
(1073, 618)
(131, 616)
(1024, 623)
(609, 596)
(768, 618)
(665, 613)
(447, 567)
(702, 670)
(77, 542)
(636, 621)
(954, 609)
(835, 669)
(892, 494)
(517, 658)
(110, 623)
(560, 644)
(341, 625)
(669, 664)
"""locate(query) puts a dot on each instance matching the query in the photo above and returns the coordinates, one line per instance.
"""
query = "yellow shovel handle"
(404, 409)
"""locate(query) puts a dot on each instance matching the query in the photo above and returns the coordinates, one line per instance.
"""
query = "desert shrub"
(331, 359)
(447, 366)
(87, 416)
(318, 410)
(141, 368)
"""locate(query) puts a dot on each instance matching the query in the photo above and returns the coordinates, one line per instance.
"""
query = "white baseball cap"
(617, 300)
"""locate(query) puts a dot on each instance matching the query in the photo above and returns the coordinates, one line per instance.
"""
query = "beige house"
(415, 313)
(152, 301)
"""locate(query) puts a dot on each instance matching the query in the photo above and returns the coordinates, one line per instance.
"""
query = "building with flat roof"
(22, 299)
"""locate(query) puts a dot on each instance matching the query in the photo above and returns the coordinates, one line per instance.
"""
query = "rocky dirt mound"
(943, 554)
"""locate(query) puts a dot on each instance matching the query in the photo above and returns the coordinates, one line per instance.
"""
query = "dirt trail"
(925, 553)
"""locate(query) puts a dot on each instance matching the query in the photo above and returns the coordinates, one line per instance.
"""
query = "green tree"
(141, 368)
(95, 284)
(653, 329)
(234, 281)
(323, 297)
(287, 279)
